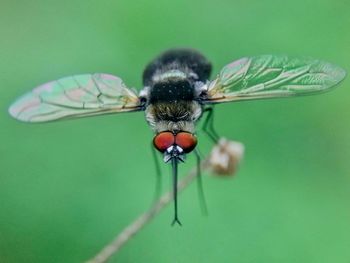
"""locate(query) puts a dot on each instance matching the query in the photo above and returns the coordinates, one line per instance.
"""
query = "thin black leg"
(208, 125)
(201, 195)
(158, 187)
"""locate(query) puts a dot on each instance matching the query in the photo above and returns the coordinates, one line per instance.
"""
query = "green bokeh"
(66, 188)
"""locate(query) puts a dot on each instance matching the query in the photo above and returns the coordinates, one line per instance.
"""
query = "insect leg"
(158, 187)
(208, 125)
(201, 196)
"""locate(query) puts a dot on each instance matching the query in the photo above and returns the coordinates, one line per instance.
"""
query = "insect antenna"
(201, 196)
(174, 162)
(208, 125)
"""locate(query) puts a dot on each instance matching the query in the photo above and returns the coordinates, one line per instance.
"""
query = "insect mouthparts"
(174, 152)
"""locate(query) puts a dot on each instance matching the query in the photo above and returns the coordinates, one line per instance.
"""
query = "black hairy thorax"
(173, 99)
(171, 90)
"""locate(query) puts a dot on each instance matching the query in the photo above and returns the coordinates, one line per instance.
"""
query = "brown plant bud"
(225, 157)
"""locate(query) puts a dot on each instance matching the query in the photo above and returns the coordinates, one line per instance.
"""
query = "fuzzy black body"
(172, 86)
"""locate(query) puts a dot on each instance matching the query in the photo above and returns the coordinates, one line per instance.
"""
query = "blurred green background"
(67, 188)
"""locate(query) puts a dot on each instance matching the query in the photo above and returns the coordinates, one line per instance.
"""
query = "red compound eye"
(163, 141)
(186, 141)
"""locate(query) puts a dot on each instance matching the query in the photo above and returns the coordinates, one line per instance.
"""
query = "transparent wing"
(272, 76)
(75, 96)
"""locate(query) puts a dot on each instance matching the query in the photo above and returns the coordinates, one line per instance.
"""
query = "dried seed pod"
(225, 157)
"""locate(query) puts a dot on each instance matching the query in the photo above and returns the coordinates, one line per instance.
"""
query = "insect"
(176, 93)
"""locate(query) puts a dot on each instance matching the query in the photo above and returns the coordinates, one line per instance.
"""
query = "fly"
(176, 92)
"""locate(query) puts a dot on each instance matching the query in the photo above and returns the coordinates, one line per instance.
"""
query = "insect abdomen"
(190, 63)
